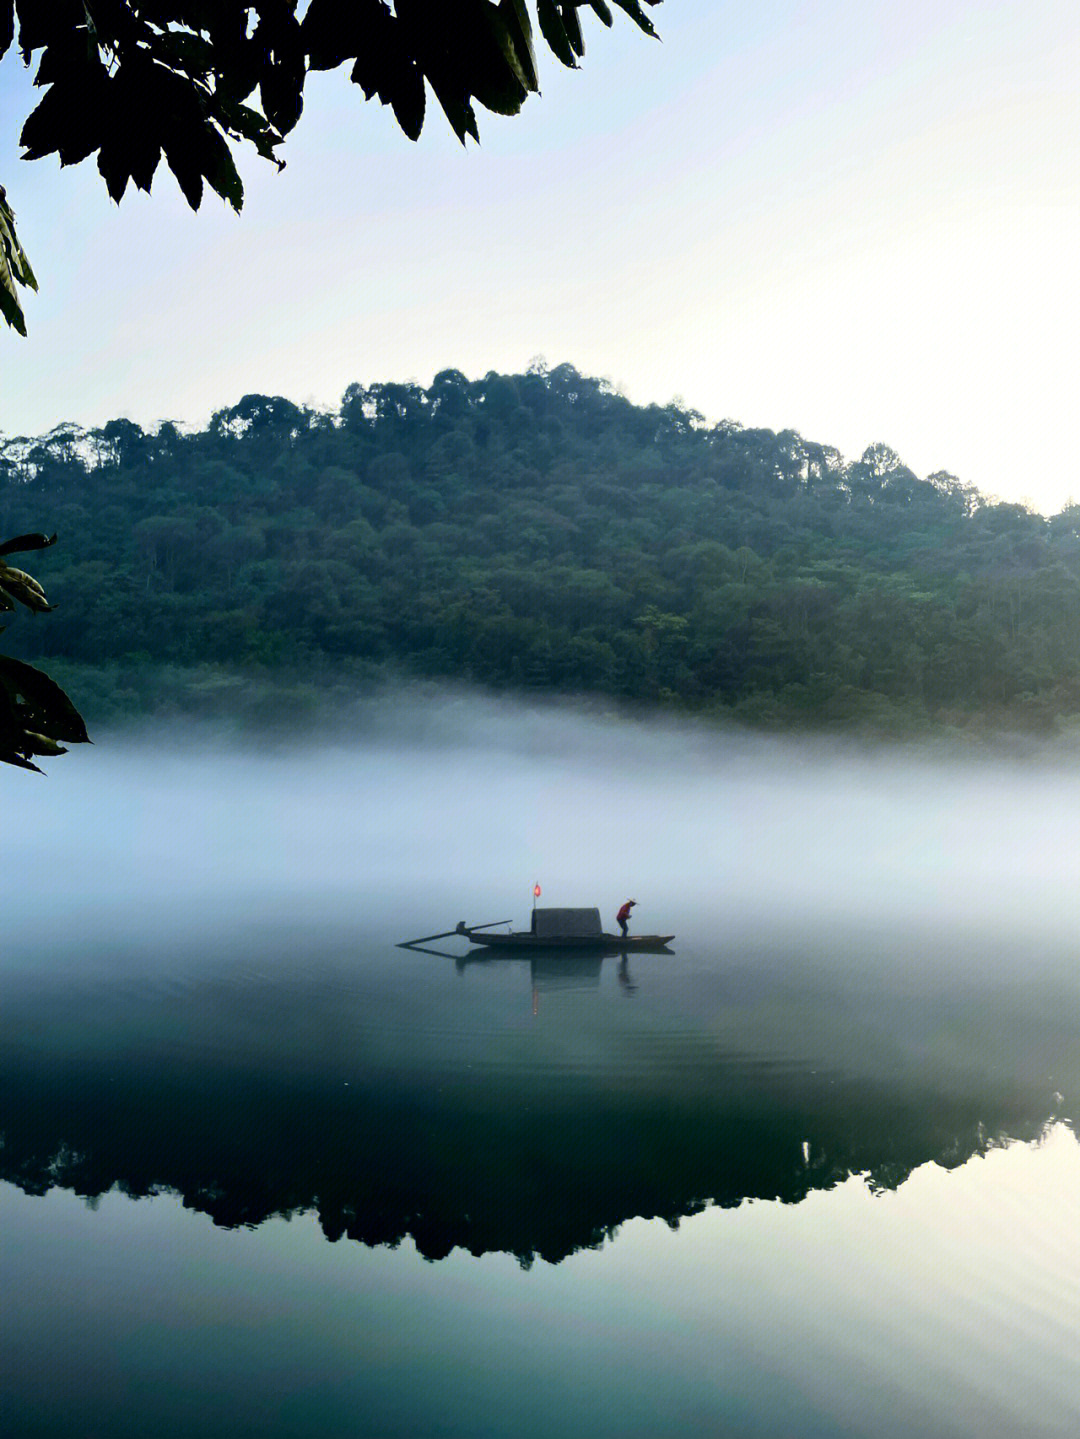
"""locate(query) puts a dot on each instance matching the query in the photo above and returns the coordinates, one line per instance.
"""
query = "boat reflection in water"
(562, 969)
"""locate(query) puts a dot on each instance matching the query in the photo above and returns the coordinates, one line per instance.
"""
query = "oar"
(424, 938)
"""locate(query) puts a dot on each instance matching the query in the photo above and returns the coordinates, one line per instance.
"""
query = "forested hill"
(537, 532)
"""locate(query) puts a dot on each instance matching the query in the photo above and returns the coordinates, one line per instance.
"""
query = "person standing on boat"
(624, 914)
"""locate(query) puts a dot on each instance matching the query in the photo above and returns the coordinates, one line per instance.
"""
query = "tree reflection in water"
(533, 1138)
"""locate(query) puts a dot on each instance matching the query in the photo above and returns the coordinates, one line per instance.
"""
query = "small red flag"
(536, 891)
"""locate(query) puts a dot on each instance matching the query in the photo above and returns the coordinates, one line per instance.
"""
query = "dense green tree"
(651, 557)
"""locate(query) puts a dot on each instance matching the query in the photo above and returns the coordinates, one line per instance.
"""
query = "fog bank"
(449, 810)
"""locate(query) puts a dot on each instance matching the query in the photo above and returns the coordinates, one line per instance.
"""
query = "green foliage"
(35, 713)
(538, 532)
(135, 82)
(14, 268)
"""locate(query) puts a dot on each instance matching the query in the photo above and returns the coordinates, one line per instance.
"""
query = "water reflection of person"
(626, 979)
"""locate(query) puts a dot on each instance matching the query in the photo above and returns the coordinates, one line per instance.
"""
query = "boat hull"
(528, 943)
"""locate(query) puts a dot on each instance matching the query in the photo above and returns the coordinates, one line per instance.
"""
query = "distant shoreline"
(289, 708)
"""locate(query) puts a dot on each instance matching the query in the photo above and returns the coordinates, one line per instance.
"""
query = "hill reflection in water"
(515, 1105)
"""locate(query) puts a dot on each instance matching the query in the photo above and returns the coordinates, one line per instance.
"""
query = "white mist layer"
(452, 810)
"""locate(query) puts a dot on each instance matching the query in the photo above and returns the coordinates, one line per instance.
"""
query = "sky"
(855, 219)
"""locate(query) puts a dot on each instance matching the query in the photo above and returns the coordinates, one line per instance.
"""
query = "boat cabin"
(566, 923)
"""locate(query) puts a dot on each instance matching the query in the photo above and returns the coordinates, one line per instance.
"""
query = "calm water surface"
(265, 1173)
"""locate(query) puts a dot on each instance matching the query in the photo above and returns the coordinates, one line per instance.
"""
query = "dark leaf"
(26, 542)
(456, 107)
(637, 14)
(24, 588)
(516, 16)
(74, 114)
(191, 143)
(220, 170)
(114, 170)
(385, 66)
(277, 44)
(408, 102)
(182, 158)
(572, 26)
(330, 33)
(9, 304)
(130, 147)
(282, 97)
(247, 124)
(39, 23)
(494, 73)
(40, 744)
(47, 709)
(225, 180)
(68, 56)
(602, 11)
(377, 47)
(51, 122)
(132, 154)
(12, 255)
(554, 32)
(144, 160)
(234, 77)
(17, 759)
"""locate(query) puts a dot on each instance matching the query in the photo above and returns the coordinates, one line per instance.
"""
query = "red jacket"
(624, 913)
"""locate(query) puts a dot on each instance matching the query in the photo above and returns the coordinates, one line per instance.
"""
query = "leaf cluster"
(14, 268)
(134, 81)
(35, 713)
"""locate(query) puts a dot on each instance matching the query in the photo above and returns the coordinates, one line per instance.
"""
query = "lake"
(814, 1172)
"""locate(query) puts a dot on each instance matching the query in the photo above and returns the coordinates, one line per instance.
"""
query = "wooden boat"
(523, 942)
(569, 929)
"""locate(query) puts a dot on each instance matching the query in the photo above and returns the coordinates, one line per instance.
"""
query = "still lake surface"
(813, 1173)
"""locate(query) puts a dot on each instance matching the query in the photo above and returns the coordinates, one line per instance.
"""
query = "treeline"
(537, 532)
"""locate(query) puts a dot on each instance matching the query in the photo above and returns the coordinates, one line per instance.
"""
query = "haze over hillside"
(537, 533)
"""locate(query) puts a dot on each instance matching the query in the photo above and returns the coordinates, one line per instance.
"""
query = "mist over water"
(854, 1083)
(453, 808)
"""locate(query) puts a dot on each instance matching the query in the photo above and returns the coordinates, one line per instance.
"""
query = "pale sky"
(856, 219)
